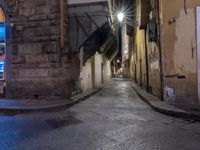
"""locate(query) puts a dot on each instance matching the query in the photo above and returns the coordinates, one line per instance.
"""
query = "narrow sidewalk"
(162, 107)
(27, 106)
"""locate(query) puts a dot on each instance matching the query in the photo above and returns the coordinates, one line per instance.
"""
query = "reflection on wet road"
(113, 119)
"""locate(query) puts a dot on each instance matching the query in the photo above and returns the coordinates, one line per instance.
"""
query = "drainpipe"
(147, 62)
(160, 53)
(62, 23)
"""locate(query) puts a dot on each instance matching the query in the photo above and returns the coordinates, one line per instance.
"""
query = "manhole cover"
(61, 122)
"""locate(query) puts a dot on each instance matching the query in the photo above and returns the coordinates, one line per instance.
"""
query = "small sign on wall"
(2, 70)
(2, 32)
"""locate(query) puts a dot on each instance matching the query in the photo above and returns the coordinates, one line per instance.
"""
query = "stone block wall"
(38, 65)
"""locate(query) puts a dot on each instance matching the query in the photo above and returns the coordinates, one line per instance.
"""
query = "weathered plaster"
(92, 73)
(185, 52)
(178, 40)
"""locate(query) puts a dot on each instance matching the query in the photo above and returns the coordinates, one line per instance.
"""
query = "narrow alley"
(99, 75)
(113, 119)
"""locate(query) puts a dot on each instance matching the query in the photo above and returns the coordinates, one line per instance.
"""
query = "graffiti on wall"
(169, 94)
(155, 65)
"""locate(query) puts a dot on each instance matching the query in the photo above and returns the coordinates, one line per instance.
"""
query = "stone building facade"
(91, 38)
(166, 50)
(145, 50)
(180, 51)
(38, 64)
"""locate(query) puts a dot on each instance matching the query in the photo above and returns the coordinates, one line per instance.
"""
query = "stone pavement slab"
(163, 107)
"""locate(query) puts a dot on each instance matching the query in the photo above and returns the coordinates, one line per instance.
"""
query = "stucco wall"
(106, 70)
(140, 57)
(98, 70)
(86, 76)
(102, 70)
(178, 39)
(94, 72)
(85, 73)
(154, 69)
(145, 52)
(178, 49)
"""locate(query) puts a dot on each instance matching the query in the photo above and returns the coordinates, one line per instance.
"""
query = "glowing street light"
(120, 17)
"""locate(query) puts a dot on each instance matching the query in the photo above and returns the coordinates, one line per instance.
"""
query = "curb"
(74, 100)
(78, 99)
(15, 111)
(175, 112)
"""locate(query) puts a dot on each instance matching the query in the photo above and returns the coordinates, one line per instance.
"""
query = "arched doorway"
(2, 52)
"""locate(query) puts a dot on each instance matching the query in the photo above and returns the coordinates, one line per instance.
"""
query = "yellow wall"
(144, 50)
(140, 58)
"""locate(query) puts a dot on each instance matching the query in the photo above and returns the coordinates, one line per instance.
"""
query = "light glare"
(120, 16)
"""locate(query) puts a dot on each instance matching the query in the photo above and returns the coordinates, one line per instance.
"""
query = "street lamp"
(120, 16)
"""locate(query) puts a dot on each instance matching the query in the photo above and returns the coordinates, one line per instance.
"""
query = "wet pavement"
(113, 119)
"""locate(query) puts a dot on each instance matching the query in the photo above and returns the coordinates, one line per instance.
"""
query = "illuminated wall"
(2, 16)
